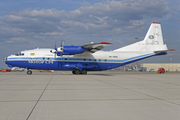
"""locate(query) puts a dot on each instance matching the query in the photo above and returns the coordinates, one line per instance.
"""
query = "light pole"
(170, 57)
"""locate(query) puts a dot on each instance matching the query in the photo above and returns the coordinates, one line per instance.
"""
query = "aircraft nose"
(4, 60)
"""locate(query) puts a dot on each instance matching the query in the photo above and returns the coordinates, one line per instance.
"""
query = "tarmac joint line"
(39, 99)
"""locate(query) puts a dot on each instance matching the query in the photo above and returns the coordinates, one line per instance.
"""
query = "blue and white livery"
(80, 59)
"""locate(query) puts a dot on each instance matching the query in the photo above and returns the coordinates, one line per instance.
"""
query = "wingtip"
(105, 43)
(172, 50)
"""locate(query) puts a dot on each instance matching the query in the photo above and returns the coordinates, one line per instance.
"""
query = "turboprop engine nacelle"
(69, 50)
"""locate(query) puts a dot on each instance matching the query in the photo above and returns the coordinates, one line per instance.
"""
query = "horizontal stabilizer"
(162, 51)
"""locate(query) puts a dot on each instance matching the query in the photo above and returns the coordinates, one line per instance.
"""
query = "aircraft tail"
(153, 41)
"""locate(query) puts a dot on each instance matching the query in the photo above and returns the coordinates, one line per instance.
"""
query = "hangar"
(166, 66)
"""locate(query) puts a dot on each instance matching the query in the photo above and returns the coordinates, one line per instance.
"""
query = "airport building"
(156, 66)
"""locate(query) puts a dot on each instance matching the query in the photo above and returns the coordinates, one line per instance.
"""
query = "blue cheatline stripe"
(81, 59)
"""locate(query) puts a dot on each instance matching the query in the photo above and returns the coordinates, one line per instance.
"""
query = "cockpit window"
(19, 54)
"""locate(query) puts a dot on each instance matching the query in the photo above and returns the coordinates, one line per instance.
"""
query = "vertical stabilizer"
(154, 35)
(153, 41)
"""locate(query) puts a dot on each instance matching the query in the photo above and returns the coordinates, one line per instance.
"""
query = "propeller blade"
(55, 49)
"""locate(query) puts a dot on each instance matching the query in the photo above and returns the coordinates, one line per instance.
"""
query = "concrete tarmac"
(108, 95)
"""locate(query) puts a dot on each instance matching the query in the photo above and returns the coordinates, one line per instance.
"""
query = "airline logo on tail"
(151, 37)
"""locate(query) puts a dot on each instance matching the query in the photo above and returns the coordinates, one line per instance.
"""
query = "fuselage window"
(43, 58)
(89, 59)
(99, 60)
(48, 58)
(94, 59)
(65, 58)
(36, 58)
(84, 59)
(105, 60)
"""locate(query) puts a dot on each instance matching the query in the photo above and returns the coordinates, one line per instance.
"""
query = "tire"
(77, 72)
(73, 72)
(29, 72)
(84, 72)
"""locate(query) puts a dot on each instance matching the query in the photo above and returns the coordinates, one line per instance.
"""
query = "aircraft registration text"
(113, 56)
(40, 61)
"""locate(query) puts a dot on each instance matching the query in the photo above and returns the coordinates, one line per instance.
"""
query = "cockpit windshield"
(19, 54)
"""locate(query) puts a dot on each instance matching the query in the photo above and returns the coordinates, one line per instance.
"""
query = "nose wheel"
(29, 72)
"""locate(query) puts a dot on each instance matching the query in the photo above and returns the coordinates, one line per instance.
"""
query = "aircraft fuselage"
(43, 59)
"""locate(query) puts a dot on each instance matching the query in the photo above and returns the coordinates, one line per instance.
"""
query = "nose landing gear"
(29, 72)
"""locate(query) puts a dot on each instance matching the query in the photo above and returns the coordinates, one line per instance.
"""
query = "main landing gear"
(29, 72)
(77, 72)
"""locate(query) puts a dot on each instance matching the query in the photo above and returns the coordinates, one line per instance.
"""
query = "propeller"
(62, 44)
(58, 51)
(55, 49)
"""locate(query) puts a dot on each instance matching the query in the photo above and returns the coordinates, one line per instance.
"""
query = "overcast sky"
(28, 24)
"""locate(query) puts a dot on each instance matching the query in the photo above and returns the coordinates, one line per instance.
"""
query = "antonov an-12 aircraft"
(80, 59)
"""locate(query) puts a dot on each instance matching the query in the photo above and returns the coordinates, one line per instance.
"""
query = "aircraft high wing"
(94, 47)
(72, 50)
